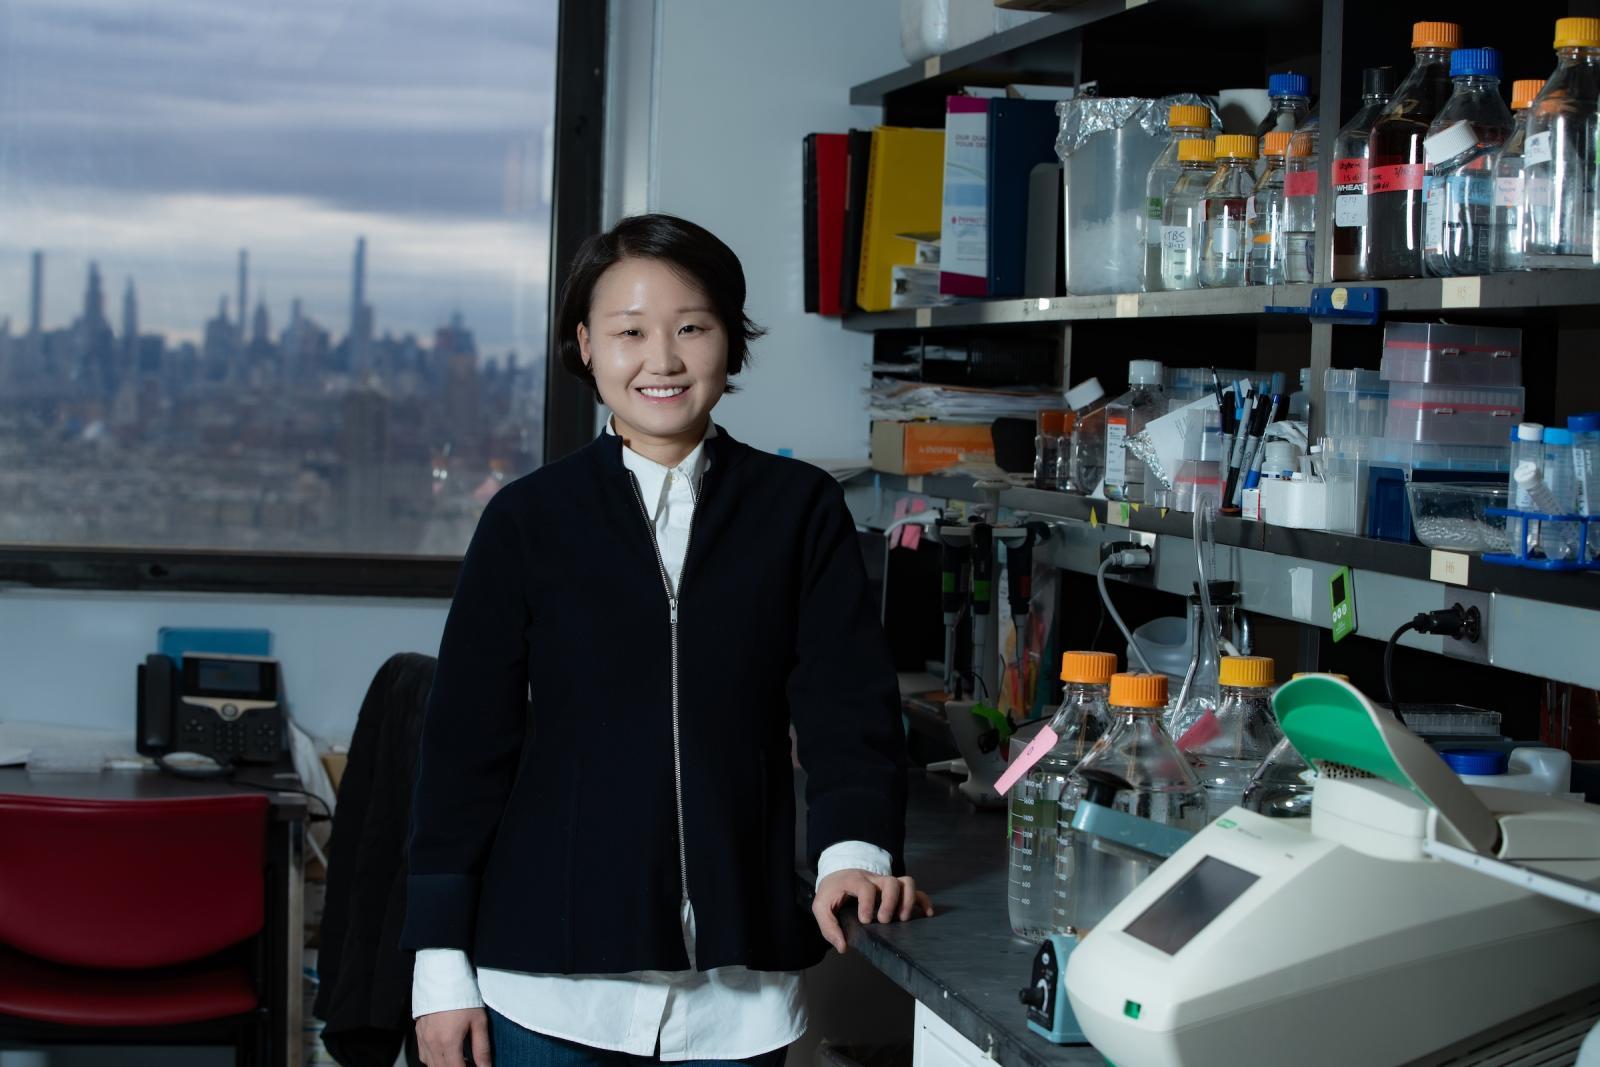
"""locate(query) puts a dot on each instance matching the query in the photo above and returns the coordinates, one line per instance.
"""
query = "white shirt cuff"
(443, 980)
(852, 856)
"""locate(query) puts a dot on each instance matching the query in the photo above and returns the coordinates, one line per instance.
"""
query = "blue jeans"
(514, 1046)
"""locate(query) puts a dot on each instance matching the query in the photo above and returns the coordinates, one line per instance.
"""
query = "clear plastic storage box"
(1452, 414)
(1436, 354)
(1357, 403)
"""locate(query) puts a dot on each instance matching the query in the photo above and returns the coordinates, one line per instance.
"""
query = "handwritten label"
(1349, 172)
(1042, 742)
(1300, 183)
(1449, 567)
(1538, 149)
(1460, 292)
(1396, 178)
(1350, 209)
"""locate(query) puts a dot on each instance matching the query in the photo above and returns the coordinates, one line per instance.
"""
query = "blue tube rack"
(1520, 528)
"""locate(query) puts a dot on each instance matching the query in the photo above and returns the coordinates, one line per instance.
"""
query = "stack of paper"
(901, 401)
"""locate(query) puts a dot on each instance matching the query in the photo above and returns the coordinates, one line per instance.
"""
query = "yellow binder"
(905, 187)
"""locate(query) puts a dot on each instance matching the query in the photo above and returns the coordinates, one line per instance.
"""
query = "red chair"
(134, 922)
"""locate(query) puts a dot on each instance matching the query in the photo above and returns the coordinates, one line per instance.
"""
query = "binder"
(825, 190)
(904, 182)
(808, 219)
(1022, 134)
(964, 227)
(858, 155)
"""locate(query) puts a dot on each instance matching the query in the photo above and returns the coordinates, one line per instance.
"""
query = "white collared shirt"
(727, 1013)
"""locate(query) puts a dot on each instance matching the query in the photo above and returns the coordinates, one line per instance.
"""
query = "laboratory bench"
(962, 966)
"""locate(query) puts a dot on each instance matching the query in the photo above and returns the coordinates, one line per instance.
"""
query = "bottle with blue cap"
(1586, 473)
(1288, 108)
(1459, 150)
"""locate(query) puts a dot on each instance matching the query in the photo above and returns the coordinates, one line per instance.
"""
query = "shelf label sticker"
(1448, 566)
(924, 318)
(1460, 292)
(1127, 305)
(914, 484)
(1117, 512)
(930, 67)
(1300, 587)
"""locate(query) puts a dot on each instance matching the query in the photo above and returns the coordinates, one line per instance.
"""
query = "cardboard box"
(928, 447)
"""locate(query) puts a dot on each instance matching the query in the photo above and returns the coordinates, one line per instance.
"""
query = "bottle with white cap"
(1083, 457)
(1126, 416)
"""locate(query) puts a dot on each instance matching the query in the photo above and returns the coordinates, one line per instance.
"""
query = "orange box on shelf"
(928, 447)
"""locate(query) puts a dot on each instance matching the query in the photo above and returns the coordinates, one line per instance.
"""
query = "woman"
(601, 867)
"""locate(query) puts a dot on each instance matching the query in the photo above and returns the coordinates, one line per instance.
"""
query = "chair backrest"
(131, 883)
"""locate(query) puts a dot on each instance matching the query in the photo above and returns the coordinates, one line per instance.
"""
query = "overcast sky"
(159, 138)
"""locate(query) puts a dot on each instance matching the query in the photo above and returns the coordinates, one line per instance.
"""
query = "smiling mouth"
(663, 392)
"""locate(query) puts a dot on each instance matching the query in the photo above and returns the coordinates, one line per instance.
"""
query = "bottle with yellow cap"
(1560, 153)
(1183, 216)
(1264, 211)
(1396, 164)
(1282, 786)
(1509, 236)
(1039, 800)
(1185, 122)
(1227, 199)
(1300, 206)
(1228, 746)
(1153, 781)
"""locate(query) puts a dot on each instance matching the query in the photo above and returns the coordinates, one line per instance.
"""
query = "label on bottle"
(1349, 172)
(1350, 209)
(1225, 239)
(1538, 149)
(1300, 183)
(1175, 238)
(1250, 208)
(1396, 178)
(1116, 455)
(1508, 191)
(1448, 143)
(1152, 211)
(1433, 215)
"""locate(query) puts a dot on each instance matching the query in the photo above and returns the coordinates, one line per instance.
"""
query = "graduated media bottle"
(1264, 258)
(1283, 785)
(1350, 175)
(1228, 747)
(1152, 780)
(1559, 155)
(1083, 454)
(1509, 238)
(1227, 199)
(1300, 207)
(1288, 108)
(1185, 123)
(1458, 194)
(1145, 401)
(1586, 470)
(1041, 803)
(1183, 216)
(1396, 166)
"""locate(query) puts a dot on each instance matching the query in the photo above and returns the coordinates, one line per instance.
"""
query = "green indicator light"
(1131, 1008)
(1226, 824)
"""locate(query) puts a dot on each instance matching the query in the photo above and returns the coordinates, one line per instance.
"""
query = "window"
(272, 276)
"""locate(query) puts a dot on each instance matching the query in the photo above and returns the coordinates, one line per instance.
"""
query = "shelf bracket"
(1358, 305)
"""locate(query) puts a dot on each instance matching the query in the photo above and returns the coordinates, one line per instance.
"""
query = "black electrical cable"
(325, 816)
(1388, 664)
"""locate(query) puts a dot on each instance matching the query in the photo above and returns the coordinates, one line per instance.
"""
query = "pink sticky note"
(1042, 742)
(1204, 729)
(913, 533)
(899, 513)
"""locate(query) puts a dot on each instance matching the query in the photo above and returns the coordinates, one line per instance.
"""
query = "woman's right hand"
(441, 1035)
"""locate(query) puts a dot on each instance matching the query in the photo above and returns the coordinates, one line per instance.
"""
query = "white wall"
(737, 86)
(69, 657)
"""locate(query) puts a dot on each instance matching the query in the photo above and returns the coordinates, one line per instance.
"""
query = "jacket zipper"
(672, 608)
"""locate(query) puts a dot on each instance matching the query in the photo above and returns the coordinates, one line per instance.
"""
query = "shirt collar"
(652, 475)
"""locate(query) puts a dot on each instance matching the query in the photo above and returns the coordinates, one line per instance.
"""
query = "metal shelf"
(1531, 289)
(1012, 56)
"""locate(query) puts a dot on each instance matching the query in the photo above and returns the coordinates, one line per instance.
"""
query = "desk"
(285, 864)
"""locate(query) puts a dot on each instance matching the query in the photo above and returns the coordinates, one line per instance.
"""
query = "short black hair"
(693, 251)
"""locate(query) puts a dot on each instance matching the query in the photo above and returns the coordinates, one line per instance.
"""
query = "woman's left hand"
(879, 897)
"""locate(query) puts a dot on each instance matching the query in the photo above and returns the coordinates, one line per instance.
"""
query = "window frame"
(569, 410)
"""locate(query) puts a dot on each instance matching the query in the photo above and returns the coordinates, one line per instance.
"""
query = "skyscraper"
(243, 306)
(130, 324)
(36, 299)
(359, 340)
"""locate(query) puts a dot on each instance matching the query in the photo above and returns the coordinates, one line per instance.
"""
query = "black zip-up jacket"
(547, 840)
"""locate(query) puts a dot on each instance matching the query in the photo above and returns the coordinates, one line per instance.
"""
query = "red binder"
(830, 155)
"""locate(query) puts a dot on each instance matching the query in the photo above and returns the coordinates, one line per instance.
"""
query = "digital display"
(1338, 588)
(225, 677)
(1190, 905)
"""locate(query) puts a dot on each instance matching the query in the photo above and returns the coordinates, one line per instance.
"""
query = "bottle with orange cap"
(1040, 798)
(1146, 776)
(1282, 786)
(1185, 122)
(1227, 747)
(1300, 206)
(1227, 198)
(1183, 216)
(1560, 153)
(1396, 164)
(1053, 426)
(1509, 237)
(1264, 215)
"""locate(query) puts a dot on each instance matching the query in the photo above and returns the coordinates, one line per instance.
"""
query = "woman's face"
(657, 350)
